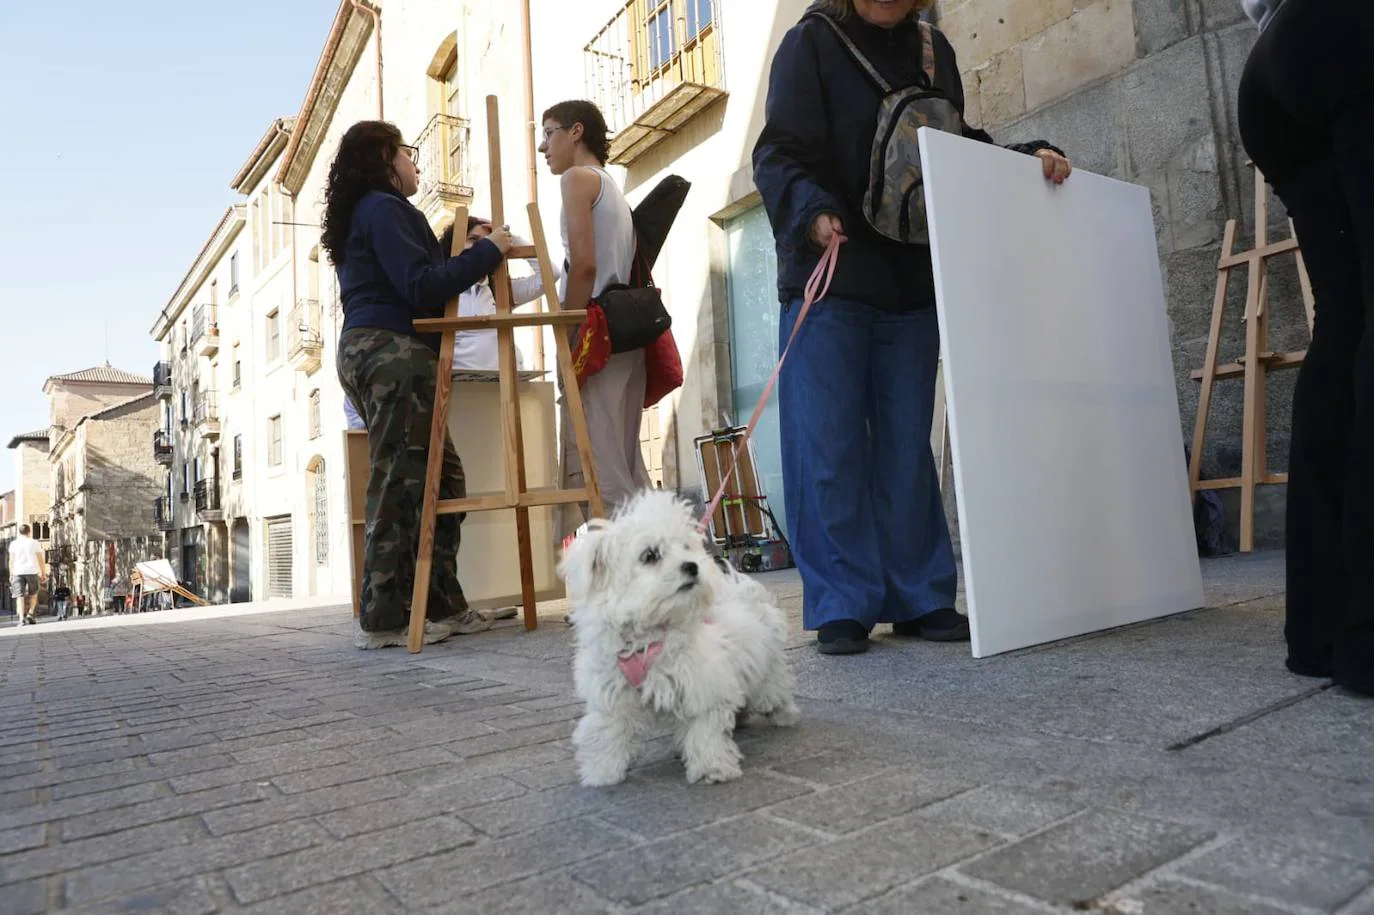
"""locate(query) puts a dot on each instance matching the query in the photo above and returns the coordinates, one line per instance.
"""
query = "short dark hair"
(23, 530)
(446, 239)
(594, 131)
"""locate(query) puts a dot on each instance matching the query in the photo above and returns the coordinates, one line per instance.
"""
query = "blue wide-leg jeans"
(855, 401)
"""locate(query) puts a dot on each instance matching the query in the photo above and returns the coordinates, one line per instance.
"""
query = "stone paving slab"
(255, 763)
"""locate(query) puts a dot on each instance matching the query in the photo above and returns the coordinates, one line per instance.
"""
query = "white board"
(1073, 496)
(157, 575)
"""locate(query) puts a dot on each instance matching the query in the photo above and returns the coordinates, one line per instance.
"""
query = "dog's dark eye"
(650, 556)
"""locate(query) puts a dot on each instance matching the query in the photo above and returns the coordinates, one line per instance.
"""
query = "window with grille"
(315, 413)
(274, 442)
(273, 337)
(321, 495)
(238, 456)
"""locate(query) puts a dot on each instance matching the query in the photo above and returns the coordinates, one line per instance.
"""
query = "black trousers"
(1307, 120)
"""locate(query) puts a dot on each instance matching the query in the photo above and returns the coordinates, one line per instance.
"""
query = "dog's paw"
(713, 775)
(784, 716)
(593, 777)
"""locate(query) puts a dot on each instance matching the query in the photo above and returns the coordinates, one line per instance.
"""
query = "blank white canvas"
(1074, 508)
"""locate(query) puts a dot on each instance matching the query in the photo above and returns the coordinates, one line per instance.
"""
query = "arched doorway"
(241, 590)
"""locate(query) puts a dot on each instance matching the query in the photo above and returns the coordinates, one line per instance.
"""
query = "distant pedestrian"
(61, 598)
(28, 571)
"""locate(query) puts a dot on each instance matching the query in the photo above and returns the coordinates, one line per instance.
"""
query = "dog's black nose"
(689, 569)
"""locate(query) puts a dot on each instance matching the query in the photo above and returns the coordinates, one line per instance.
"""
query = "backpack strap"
(928, 50)
(854, 52)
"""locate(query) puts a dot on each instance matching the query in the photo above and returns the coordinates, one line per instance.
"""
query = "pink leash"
(816, 288)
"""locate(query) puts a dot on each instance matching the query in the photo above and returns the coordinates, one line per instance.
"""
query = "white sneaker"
(503, 613)
(366, 641)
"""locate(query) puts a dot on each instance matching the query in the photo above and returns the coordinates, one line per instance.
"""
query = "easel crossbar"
(533, 498)
(497, 321)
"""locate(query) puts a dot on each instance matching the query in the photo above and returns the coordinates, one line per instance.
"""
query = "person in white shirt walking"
(28, 570)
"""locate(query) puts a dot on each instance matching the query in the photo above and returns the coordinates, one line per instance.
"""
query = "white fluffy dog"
(665, 633)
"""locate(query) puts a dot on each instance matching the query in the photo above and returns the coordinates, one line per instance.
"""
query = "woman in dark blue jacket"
(391, 270)
(857, 397)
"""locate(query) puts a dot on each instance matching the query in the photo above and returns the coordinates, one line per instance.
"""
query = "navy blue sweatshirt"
(394, 270)
(813, 156)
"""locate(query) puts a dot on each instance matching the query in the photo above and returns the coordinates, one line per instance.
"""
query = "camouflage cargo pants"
(390, 379)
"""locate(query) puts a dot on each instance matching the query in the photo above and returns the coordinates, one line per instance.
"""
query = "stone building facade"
(32, 481)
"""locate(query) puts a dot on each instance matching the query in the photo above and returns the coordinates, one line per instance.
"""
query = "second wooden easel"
(1256, 364)
(515, 496)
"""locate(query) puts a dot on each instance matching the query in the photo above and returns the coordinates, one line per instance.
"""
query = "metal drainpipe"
(377, 29)
(291, 197)
(527, 43)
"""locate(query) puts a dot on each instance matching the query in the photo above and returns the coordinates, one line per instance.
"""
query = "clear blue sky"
(122, 127)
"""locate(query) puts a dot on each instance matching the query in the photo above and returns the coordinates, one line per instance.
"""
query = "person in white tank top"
(599, 237)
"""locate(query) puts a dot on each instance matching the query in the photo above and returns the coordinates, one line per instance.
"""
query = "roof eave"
(226, 230)
(263, 155)
(343, 47)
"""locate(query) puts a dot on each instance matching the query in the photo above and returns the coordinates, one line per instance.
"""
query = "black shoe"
(1304, 668)
(842, 637)
(944, 625)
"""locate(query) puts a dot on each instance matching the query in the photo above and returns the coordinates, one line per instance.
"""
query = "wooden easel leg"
(429, 511)
(514, 451)
(1262, 330)
(1250, 429)
(577, 415)
(1209, 365)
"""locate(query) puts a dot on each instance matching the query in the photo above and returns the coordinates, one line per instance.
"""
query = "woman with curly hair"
(391, 270)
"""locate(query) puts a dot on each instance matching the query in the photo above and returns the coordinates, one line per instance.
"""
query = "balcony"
(652, 74)
(162, 513)
(304, 337)
(205, 330)
(162, 380)
(162, 446)
(205, 414)
(208, 506)
(443, 151)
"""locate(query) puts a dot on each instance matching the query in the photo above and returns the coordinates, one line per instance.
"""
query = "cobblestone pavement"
(258, 763)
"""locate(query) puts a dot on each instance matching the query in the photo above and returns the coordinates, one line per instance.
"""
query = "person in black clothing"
(856, 399)
(1306, 114)
(61, 596)
(392, 270)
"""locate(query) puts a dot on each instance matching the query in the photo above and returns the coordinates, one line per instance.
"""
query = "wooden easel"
(1256, 364)
(504, 321)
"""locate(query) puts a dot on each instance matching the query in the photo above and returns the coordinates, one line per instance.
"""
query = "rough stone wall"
(70, 401)
(122, 477)
(1145, 91)
(34, 479)
(122, 481)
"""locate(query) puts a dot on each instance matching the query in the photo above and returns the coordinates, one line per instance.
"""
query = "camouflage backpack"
(895, 203)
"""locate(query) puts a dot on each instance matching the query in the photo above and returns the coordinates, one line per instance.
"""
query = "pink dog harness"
(635, 665)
